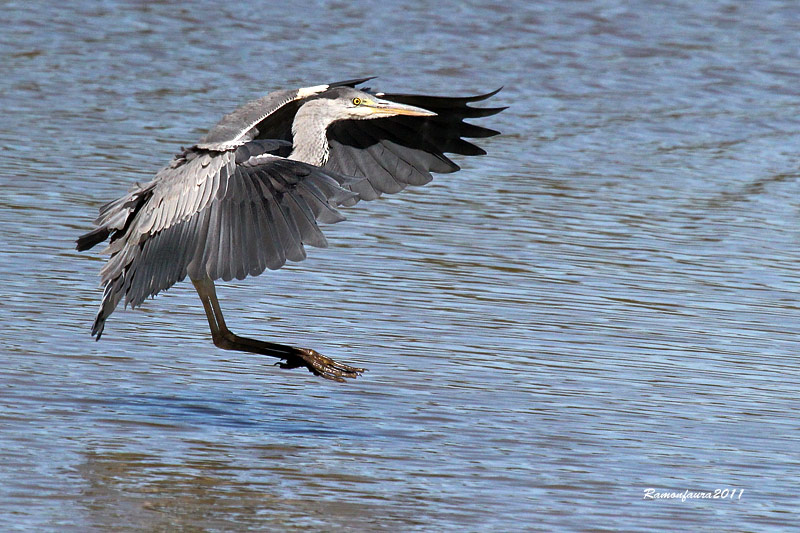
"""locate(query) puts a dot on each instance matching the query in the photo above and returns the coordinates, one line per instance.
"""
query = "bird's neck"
(309, 135)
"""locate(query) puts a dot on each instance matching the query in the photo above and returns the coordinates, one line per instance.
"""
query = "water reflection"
(155, 493)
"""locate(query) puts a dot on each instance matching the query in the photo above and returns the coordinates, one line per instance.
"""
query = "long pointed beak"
(386, 107)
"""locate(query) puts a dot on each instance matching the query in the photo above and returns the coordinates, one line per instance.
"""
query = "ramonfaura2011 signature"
(716, 494)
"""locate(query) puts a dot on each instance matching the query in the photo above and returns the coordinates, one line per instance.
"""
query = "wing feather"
(394, 152)
(289, 234)
(227, 220)
(270, 209)
(305, 220)
(277, 258)
(318, 203)
(258, 260)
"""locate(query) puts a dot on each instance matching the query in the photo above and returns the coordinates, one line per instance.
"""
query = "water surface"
(605, 303)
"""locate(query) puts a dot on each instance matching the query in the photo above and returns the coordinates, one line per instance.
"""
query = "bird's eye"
(357, 101)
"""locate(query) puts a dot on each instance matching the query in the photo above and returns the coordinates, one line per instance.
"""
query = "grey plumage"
(200, 218)
(249, 196)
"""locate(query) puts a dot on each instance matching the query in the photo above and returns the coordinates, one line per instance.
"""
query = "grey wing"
(269, 117)
(251, 211)
(239, 127)
(394, 152)
(269, 212)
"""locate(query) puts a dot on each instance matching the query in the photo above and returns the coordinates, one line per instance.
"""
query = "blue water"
(605, 303)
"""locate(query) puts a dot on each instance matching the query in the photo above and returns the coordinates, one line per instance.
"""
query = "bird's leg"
(223, 338)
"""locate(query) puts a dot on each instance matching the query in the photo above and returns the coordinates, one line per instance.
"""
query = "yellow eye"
(357, 101)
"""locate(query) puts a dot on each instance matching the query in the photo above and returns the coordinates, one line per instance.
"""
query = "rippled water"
(605, 303)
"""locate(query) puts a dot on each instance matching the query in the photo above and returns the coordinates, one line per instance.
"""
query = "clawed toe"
(320, 365)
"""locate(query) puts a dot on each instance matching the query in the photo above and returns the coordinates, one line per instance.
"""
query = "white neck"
(309, 133)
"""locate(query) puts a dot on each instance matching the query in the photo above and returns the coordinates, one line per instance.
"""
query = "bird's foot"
(320, 365)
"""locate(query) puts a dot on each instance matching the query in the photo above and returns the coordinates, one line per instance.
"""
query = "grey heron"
(248, 196)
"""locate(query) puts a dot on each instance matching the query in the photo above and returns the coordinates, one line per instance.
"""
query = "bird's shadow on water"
(190, 413)
(185, 411)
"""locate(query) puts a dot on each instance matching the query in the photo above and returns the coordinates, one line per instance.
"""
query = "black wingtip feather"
(442, 102)
(480, 112)
(88, 240)
(480, 97)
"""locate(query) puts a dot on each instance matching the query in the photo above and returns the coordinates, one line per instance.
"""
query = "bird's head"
(351, 104)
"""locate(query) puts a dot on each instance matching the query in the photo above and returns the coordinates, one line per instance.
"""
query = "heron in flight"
(249, 195)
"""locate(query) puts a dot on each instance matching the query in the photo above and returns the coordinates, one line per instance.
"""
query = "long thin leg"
(314, 361)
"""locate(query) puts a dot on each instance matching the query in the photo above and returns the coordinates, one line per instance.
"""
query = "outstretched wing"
(394, 152)
(269, 117)
(222, 215)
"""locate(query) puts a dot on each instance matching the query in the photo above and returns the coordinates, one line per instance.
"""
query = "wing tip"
(479, 97)
(98, 327)
(351, 83)
(94, 237)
